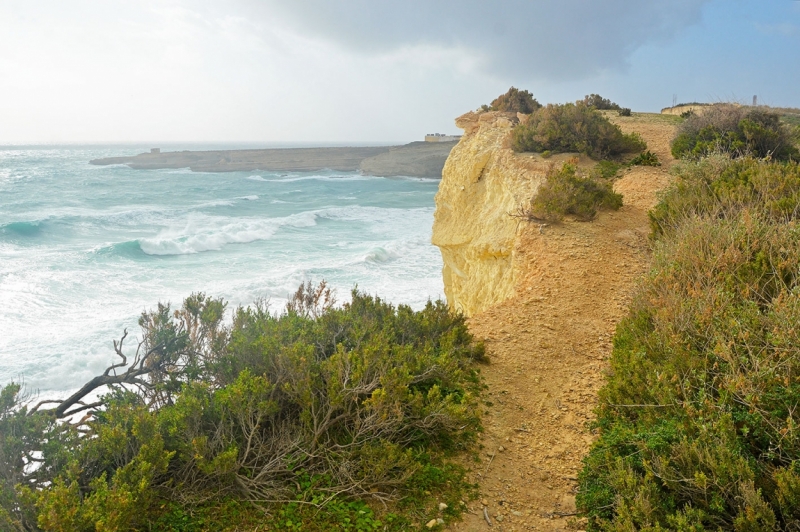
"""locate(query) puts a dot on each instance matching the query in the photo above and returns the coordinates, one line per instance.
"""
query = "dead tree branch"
(142, 365)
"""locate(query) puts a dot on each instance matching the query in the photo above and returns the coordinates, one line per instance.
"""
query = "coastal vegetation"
(738, 130)
(574, 128)
(513, 101)
(571, 191)
(698, 419)
(646, 158)
(319, 418)
(600, 103)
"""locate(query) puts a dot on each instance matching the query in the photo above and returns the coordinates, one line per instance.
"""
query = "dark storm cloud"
(552, 39)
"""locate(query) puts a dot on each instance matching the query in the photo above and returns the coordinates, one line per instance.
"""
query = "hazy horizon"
(265, 72)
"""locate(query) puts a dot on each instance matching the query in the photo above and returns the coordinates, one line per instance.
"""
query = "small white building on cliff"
(439, 137)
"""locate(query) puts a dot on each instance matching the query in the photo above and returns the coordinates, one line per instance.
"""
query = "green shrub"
(514, 101)
(717, 187)
(625, 111)
(698, 419)
(600, 103)
(567, 191)
(572, 128)
(606, 169)
(317, 407)
(646, 158)
(735, 130)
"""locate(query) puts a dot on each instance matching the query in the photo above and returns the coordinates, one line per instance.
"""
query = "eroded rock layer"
(483, 183)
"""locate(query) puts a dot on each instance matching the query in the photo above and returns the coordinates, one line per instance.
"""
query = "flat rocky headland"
(417, 159)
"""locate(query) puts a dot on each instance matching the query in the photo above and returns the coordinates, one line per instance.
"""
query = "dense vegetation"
(737, 130)
(513, 101)
(570, 191)
(306, 416)
(600, 103)
(574, 128)
(699, 418)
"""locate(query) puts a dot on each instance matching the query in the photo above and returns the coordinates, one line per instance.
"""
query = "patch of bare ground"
(549, 347)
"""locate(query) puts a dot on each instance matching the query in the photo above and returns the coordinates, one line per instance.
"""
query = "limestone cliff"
(483, 181)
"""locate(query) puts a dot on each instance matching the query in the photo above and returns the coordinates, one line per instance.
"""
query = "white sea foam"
(352, 177)
(217, 203)
(212, 234)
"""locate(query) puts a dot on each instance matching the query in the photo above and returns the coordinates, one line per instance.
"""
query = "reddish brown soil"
(549, 347)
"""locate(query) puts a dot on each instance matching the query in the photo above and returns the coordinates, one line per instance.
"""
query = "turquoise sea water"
(84, 249)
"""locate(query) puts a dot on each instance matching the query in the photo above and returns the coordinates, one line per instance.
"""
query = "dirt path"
(549, 349)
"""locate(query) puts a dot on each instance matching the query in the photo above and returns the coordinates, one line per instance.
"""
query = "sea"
(85, 249)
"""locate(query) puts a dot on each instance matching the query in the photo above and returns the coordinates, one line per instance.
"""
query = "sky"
(367, 71)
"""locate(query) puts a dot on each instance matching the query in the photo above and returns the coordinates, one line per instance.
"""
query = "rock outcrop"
(418, 159)
(483, 183)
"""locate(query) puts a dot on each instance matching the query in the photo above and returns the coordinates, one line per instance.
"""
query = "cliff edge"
(483, 181)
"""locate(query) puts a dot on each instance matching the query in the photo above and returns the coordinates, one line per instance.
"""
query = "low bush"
(646, 158)
(288, 414)
(514, 101)
(574, 128)
(736, 130)
(606, 169)
(625, 111)
(567, 191)
(600, 103)
(698, 420)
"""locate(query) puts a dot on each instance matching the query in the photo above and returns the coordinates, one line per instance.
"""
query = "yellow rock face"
(483, 182)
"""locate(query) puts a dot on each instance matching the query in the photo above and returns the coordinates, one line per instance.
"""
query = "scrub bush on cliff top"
(514, 101)
(567, 191)
(319, 407)
(699, 419)
(600, 103)
(736, 130)
(574, 128)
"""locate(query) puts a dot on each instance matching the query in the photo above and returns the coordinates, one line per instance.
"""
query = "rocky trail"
(549, 347)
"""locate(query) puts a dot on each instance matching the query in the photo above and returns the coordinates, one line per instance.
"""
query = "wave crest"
(198, 237)
(26, 229)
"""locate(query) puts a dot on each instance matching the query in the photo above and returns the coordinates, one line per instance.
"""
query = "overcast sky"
(367, 70)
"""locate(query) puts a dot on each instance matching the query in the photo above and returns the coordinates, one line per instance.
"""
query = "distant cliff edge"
(417, 159)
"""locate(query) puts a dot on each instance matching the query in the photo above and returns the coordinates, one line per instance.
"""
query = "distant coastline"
(417, 159)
